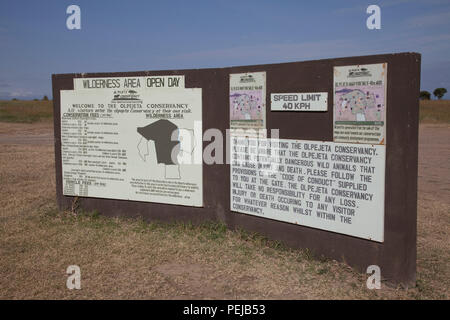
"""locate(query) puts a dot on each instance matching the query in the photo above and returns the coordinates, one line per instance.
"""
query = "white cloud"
(21, 93)
(17, 93)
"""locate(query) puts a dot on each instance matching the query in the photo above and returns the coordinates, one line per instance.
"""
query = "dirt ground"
(26, 133)
(123, 258)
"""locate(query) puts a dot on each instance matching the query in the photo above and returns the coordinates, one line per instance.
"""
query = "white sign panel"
(130, 83)
(331, 186)
(316, 101)
(248, 100)
(142, 145)
(360, 103)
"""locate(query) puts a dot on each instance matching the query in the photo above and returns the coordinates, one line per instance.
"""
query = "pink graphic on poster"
(246, 105)
(360, 103)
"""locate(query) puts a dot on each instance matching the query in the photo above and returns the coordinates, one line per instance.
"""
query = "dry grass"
(434, 111)
(124, 258)
(26, 111)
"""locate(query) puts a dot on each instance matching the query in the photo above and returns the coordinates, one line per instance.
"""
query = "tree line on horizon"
(438, 93)
(45, 98)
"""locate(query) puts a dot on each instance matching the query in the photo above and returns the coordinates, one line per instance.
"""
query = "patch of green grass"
(323, 270)
(26, 111)
(213, 230)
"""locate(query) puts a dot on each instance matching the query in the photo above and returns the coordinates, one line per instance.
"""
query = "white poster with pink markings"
(248, 101)
(360, 103)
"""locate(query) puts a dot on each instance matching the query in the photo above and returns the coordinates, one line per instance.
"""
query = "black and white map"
(173, 146)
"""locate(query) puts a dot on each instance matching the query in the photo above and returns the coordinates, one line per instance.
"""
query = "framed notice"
(360, 103)
(133, 144)
(337, 187)
(248, 101)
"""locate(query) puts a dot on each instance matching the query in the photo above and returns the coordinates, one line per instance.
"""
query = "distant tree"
(45, 98)
(439, 92)
(35, 99)
(14, 99)
(424, 95)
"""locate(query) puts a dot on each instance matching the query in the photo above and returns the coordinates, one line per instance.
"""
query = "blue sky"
(157, 35)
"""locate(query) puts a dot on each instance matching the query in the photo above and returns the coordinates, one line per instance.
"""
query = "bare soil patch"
(26, 133)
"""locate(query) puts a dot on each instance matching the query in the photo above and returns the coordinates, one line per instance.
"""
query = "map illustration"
(173, 146)
(246, 105)
(364, 103)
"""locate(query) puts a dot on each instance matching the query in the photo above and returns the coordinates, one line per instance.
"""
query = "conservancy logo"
(125, 95)
(358, 72)
(247, 78)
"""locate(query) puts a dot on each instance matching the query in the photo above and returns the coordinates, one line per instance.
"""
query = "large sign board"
(133, 144)
(331, 186)
(341, 181)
